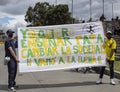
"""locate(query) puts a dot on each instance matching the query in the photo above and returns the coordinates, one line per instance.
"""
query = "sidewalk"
(57, 81)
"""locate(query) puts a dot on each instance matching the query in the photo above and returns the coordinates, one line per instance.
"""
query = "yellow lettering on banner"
(92, 38)
(43, 62)
(68, 59)
(79, 58)
(24, 50)
(68, 50)
(32, 42)
(78, 38)
(45, 42)
(80, 49)
(93, 59)
(46, 51)
(52, 61)
(36, 52)
(60, 41)
(54, 51)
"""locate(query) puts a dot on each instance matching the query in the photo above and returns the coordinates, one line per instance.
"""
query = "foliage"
(45, 14)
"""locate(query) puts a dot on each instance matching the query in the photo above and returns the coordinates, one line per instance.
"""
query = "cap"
(10, 31)
(109, 32)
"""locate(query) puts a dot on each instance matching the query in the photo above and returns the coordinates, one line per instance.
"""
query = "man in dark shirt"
(12, 64)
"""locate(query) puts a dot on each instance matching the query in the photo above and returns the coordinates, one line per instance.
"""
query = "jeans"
(12, 71)
(111, 67)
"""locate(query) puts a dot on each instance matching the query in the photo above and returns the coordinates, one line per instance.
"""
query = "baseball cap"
(10, 31)
(109, 32)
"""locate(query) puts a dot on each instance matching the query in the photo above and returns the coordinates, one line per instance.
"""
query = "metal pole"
(112, 10)
(103, 7)
(90, 10)
(72, 11)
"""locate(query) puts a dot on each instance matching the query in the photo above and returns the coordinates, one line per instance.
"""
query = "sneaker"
(99, 81)
(16, 86)
(12, 89)
(112, 82)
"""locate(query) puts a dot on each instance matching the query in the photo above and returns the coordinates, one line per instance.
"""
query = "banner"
(61, 47)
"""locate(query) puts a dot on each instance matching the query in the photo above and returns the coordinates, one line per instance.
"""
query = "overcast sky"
(12, 12)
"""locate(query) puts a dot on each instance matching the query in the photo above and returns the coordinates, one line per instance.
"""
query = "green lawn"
(117, 65)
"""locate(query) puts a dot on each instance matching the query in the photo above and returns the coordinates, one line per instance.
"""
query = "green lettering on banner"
(67, 41)
(49, 51)
(30, 54)
(41, 34)
(65, 32)
(99, 38)
(23, 43)
(73, 59)
(90, 58)
(62, 50)
(42, 53)
(75, 48)
(24, 32)
(97, 49)
(39, 43)
(52, 42)
(86, 40)
(52, 34)
(48, 60)
(37, 61)
(61, 60)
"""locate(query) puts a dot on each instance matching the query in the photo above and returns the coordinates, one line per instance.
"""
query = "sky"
(12, 12)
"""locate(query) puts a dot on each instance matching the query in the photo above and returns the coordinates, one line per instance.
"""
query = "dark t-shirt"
(9, 43)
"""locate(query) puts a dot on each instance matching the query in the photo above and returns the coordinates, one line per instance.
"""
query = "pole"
(103, 7)
(112, 10)
(90, 10)
(72, 11)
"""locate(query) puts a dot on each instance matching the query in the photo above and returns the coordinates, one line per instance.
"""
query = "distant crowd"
(113, 25)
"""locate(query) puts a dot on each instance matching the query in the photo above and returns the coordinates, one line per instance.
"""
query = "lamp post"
(103, 7)
(112, 10)
(72, 10)
(90, 10)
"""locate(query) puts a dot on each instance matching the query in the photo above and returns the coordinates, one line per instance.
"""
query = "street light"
(72, 10)
(90, 10)
(112, 10)
(103, 7)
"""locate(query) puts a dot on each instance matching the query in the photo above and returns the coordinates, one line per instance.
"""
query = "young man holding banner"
(110, 47)
(12, 64)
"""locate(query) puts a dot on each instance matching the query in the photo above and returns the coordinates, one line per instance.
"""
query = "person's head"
(109, 34)
(10, 33)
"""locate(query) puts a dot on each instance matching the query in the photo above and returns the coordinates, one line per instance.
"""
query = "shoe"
(12, 89)
(99, 81)
(112, 82)
(16, 86)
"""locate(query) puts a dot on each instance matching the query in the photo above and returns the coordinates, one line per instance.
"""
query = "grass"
(117, 65)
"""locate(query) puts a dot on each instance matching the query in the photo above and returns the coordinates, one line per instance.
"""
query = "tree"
(45, 14)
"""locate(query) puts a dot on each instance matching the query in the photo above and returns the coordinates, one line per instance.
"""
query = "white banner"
(61, 47)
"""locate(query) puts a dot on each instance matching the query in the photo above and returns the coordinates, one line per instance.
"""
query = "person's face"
(10, 35)
(108, 35)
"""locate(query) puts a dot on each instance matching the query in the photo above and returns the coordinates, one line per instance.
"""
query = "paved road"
(56, 81)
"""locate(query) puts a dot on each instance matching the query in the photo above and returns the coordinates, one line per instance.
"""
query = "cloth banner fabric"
(61, 47)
